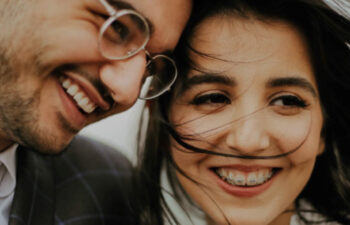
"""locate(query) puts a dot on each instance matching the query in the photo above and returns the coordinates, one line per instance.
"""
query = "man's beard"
(19, 114)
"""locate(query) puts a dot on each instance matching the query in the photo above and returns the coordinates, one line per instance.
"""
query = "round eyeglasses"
(124, 34)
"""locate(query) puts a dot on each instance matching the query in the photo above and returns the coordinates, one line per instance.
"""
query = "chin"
(236, 216)
(52, 149)
(242, 222)
(48, 144)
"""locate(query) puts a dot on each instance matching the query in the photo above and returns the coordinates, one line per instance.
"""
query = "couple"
(253, 131)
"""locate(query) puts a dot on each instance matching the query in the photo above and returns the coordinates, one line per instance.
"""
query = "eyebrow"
(227, 80)
(126, 5)
(292, 81)
(208, 78)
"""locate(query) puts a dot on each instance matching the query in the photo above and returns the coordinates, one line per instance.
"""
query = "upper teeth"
(78, 95)
(238, 178)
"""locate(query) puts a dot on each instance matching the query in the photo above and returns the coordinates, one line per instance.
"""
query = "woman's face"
(255, 95)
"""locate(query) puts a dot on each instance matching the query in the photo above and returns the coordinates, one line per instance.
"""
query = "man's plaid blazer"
(88, 184)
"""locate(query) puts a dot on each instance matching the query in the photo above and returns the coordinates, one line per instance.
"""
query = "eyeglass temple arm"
(111, 11)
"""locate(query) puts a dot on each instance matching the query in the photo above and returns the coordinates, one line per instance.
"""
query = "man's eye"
(121, 31)
(213, 98)
(289, 101)
(116, 33)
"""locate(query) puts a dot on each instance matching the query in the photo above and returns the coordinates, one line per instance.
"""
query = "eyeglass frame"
(113, 15)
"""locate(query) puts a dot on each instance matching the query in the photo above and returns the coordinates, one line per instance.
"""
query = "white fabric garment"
(7, 181)
(185, 215)
(191, 215)
(311, 216)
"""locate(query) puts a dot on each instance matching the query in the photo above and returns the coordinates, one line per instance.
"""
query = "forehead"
(248, 46)
(167, 17)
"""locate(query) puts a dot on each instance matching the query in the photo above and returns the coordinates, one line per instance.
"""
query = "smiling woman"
(263, 113)
(254, 131)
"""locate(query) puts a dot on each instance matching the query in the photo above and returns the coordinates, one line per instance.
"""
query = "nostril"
(123, 79)
(109, 97)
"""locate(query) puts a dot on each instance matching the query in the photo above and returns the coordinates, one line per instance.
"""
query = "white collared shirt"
(7, 181)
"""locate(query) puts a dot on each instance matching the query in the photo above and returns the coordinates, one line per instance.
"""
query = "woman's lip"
(72, 112)
(244, 191)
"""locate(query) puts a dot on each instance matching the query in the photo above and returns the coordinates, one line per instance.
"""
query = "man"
(63, 65)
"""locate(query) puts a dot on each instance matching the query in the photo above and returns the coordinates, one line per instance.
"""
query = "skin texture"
(45, 37)
(247, 115)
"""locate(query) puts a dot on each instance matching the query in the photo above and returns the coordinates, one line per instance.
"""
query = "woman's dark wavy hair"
(327, 33)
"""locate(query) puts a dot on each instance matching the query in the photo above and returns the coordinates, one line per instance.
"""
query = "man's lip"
(88, 88)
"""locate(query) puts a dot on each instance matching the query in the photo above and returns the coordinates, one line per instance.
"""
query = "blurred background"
(119, 131)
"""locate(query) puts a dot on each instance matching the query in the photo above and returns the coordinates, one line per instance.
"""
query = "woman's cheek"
(308, 151)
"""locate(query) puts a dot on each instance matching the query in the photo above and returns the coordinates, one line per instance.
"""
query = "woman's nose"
(248, 136)
(123, 78)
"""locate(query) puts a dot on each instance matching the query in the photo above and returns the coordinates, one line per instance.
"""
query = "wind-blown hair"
(327, 34)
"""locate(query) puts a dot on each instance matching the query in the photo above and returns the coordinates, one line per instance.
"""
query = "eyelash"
(212, 98)
(290, 101)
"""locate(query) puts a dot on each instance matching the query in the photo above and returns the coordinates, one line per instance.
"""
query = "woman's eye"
(288, 104)
(213, 98)
(289, 101)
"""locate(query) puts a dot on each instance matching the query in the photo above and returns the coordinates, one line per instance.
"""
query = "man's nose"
(248, 136)
(123, 78)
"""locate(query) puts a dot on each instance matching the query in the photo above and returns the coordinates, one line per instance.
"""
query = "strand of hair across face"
(179, 140)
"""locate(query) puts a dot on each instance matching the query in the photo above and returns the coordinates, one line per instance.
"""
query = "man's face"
(52, 74)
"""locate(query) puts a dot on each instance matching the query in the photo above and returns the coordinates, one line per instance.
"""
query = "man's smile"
(84, 94)
(74, 90)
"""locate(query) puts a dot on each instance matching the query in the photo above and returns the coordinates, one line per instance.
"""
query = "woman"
(255, 128)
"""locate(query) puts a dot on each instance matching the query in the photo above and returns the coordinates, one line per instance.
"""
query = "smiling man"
(63, 65)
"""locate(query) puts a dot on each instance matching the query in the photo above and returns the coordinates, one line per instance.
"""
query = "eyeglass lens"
(160, 75)
(123, 36)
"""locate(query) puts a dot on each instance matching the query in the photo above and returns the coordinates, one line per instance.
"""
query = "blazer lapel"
(33, 202)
